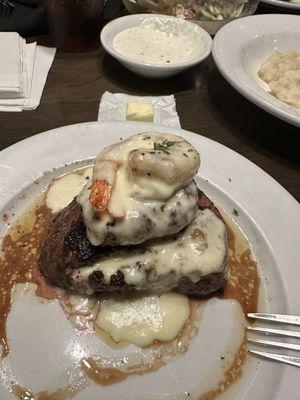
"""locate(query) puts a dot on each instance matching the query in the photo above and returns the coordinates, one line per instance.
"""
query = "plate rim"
(247, 92)
(39, 136)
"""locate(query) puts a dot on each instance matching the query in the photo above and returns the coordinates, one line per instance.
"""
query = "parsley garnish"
(235, 212)
(162, 208)
(163, 146)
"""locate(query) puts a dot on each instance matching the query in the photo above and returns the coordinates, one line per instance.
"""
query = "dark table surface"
(206, 104)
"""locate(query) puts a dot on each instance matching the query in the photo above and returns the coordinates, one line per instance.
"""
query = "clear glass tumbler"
(75, 24)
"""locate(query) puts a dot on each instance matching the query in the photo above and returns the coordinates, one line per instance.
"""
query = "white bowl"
(146, 69)
(242, 46)
(211, 26)
(282, 4)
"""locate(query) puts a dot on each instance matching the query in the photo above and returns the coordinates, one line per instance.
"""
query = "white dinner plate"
(267, 214)
(240, 48)
(283, 4)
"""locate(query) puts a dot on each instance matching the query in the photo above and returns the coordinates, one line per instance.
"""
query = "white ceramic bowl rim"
(251, 93)
(282, 4)
(139, 18)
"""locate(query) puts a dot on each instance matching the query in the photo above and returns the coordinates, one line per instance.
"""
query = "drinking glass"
(75, 25)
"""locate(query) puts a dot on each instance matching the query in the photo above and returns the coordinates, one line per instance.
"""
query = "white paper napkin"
(16, 104)
(10, 65)
(23, 75)
(43, 62)
(113, 107)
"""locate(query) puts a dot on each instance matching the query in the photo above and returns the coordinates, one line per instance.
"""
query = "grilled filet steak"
(68, 260)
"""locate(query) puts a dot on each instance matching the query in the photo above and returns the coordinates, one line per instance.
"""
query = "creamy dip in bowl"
(155, 46)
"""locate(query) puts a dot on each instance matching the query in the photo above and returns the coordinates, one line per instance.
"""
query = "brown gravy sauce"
(18, 264)
(109, 376)
(231, 374)
(19, 260)
(61, 394)
(243, 282)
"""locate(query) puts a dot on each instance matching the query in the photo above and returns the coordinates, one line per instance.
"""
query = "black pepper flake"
(229, 179)
(111, 223)
(185, 155)
(162, 208)
(235, 212)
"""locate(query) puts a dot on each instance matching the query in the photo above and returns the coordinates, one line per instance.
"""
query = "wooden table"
(206, 104)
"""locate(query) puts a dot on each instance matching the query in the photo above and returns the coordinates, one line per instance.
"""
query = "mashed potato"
(282, 72)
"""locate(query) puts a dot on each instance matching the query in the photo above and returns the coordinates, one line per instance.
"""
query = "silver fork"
(282, 319)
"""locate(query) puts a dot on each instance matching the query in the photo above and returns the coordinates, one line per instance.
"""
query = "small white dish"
(282, 4)
(242, 46)
(151, 70)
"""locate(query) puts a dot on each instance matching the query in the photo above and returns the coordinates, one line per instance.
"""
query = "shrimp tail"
(100, 195)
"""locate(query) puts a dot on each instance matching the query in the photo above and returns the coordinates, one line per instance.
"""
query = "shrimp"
(154, 165)
(104, 179)
(171, 164)
(104, 176)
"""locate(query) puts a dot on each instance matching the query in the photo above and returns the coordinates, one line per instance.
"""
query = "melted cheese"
(144, 204)
(143, 319)
(143, 220)
(198, 250)
(63, 190)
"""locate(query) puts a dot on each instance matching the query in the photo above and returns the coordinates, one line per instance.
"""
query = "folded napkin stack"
(23, 72)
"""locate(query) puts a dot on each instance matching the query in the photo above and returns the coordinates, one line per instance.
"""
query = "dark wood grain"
(206, 105)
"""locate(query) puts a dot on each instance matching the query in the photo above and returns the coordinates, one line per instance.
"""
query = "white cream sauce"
(159, 43)
(142, 319)
(152, 195)
(198, 250)
(143, 220)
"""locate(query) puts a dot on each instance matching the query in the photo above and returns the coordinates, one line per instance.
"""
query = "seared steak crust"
(66, 248)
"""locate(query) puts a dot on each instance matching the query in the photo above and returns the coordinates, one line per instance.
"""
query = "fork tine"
(278, 357)
(282, 345)
(272, 331)
(285, 319)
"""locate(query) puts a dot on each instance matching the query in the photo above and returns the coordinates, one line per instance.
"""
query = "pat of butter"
(143, 319)
(139, 112)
